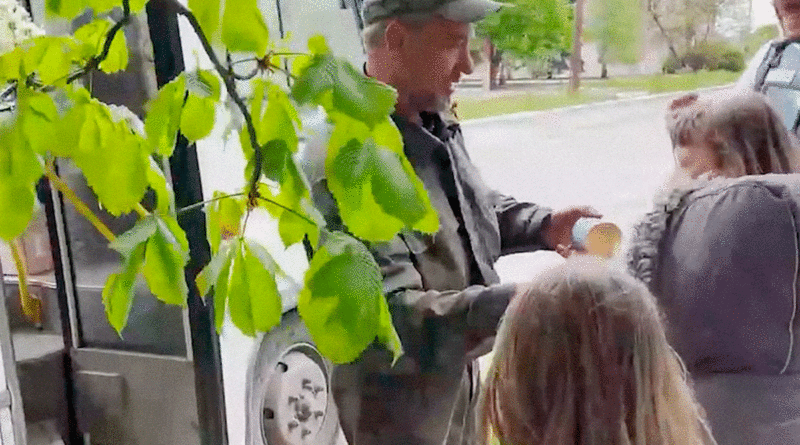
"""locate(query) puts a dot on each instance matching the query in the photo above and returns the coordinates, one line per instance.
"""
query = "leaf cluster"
(376, 189)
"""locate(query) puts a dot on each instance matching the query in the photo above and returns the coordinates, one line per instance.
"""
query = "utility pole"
(575, 61)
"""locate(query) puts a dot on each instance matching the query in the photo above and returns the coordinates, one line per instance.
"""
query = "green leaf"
(280, 119)
(264, 297)
(118, 291)
(221, 288)
(117, 58)
(207, 14)
(279, 165)
(239, 302)
(164, 116)
(223, 218)
(353, 94)
(20, 168)
(197, 117)
(253, 298)
(10, 65)
(164, 261)
(293, 228)
(394, 190)
(69, 128)
(38, 118)
(66, 8)
(203, 83)
(49, 57)
(174, 233)
(158, 183)
(137, 5)
(91, 37)
(276, 159)
(243, 27)
(208, 277)
(137, 236)
(317, 45)
(16, 208)
(387, 334)
(113, 159)
(371, 180)
(340, 303)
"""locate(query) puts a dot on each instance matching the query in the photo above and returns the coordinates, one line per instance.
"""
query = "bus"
(170, 378)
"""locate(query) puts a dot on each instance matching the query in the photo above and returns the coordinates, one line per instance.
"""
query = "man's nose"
(466, 65)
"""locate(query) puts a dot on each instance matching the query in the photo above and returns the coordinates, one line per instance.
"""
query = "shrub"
(671, 65)
(732, 61)
(710, 56)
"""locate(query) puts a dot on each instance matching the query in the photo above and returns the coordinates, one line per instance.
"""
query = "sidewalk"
(474, 88)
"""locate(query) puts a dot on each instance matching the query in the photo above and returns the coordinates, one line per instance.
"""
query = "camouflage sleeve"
(520, 224)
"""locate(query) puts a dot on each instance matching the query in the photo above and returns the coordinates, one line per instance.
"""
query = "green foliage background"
(616, 25)
(530, 28)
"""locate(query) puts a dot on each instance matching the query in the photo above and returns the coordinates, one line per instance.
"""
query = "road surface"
(612, 156)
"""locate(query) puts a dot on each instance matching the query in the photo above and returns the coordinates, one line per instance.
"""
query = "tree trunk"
(603, 70)
(576, 62)
(664, 33)
(491, 71)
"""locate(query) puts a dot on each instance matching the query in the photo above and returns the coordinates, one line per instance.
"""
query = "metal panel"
(12, 417)
(210, 401)
(125, 398)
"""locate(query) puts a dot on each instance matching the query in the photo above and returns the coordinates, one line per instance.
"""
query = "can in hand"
(595, 236)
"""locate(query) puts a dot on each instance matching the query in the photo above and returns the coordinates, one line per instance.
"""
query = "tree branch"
(288, 209)
(230, 86)
(31, 306)
(80, 206)
(95, 62)
(208, 201)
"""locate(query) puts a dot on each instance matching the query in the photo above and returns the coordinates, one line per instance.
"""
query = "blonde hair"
(581, 358)
(741, 127)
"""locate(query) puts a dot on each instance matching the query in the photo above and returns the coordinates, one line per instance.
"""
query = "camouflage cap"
(465, 11)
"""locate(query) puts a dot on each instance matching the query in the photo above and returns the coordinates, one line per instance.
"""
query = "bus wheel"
(289, 401)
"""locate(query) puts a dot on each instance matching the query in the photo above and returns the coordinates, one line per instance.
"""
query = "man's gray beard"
(431, 103)
(440, 104)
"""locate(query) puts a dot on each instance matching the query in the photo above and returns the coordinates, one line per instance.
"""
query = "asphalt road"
(612, 156)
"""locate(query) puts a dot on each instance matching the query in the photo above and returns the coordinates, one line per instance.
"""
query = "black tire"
(289, 401)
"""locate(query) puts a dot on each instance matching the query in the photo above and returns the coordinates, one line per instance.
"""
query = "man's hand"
(559, 230)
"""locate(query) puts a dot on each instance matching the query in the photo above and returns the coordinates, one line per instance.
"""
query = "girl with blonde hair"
(581, 358)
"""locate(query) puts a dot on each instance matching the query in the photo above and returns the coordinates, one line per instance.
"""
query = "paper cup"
(595, 236)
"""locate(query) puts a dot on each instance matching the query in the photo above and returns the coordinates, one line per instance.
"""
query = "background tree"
(734, 19)
(683, 23)
(528, 29)
(616, 26)
(757, 38)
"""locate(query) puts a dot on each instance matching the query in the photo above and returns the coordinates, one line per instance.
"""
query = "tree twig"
(283, 70)
(141, 210)
(95, 62)
(31, 306)
(230, 86)
(80, 206)
(208, 201)
(288, 209)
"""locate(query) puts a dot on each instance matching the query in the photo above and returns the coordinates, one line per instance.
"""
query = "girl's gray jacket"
(722, 260)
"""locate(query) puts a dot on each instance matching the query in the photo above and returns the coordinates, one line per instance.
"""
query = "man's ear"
(780, 20)
(396, 34)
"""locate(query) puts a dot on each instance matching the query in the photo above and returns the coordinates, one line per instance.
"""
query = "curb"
(531, 114)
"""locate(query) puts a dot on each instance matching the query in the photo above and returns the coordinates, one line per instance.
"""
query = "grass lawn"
(536, 97)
